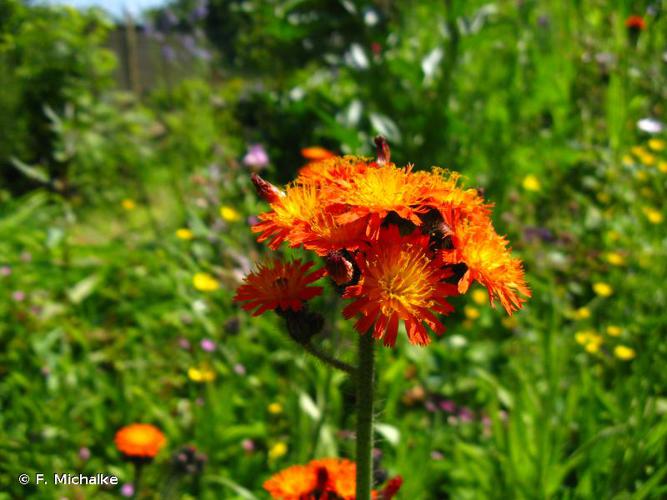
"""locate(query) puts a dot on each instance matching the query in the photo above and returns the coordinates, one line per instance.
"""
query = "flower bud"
(383, 151)
(339, 268)
(266, 190)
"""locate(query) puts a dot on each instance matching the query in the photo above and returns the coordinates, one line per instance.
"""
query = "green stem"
(138, 466)
(328, 359)
(365, 417)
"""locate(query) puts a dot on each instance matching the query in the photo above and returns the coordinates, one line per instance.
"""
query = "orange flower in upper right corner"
(282, 285)
(139, 440)
(317, 153)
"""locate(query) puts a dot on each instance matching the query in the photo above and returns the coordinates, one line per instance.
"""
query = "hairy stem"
(329, 359)
(365, 382)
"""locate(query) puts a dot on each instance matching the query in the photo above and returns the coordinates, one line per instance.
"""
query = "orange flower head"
(294, 483)
(291, 212)
(378, 191)
(333, 172)
(488, 260)
(139, 440)
(399, 281)
(322, 479)
(635, 23)
(281, 285)
(340, 475)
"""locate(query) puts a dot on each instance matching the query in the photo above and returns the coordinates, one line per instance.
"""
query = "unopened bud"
(266, 190)
(339, 268)
(383, 151)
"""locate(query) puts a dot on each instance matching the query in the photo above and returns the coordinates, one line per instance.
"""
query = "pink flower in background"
(18, 296)
(184, 343)
(84, 453)
(127, 490)
(208, 345)
(248, 445)
(239, 369)
(256, 157)
(5, 271)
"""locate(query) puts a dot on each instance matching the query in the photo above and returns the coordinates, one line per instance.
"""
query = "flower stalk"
(365, 382)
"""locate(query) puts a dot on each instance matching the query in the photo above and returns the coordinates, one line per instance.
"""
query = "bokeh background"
(126, 144)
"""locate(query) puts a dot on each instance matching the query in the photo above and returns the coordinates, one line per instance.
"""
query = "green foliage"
(536, 102)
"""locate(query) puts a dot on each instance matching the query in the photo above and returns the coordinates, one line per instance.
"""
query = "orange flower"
(334, 171)
(282, 286)
(316, 153)
(635, 23)
(139, 440)
(294, 483)
(290, 212)
(376, 192)
(399, 282)
(323, 479)
(488, 261)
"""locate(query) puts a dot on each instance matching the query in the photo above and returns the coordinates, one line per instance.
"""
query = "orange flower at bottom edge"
(281, 285)
(322, 479)
(139, 440)
(399, 282)
(294, 483)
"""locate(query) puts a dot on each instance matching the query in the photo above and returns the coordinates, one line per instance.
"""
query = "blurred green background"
(126, 146)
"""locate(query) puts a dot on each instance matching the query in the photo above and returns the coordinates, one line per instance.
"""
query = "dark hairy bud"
(266, 190)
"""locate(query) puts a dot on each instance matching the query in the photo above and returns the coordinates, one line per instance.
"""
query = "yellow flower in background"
(582, 313)
(654, 216)
(202, 374)
(647, 159)
(480, 297)
(278, 450)
(624, 352)
(584, 336)
(638, 151)
(662, 166)
(589, 339)
(615, 259)
(184, 234)
(603, 289)
(128, 204)
(471, 312)
(531, 183)
(204, 282)
(613, 331)
(229, 214)
(627, 160)
(641, 175)
(275, 408)
(656, 144)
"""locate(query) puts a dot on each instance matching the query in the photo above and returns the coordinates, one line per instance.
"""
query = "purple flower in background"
(127, 490)
(248, 445)
(168, 52)
(189, 43)
(430, 406)
(5, 271)
(436, 455)
(208, 345)
(183, 343)
(202, 54)
(252, 220)
(239, 369)
(200, 11)
(465, 415)
(448, 406)
(18, 296)
(84, 453)
(256, 157)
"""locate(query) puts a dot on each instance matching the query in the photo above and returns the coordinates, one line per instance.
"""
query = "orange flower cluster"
(323, 479)
(140, 441)
(395, 241)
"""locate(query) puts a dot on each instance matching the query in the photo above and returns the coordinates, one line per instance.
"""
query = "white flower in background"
(650, 125)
